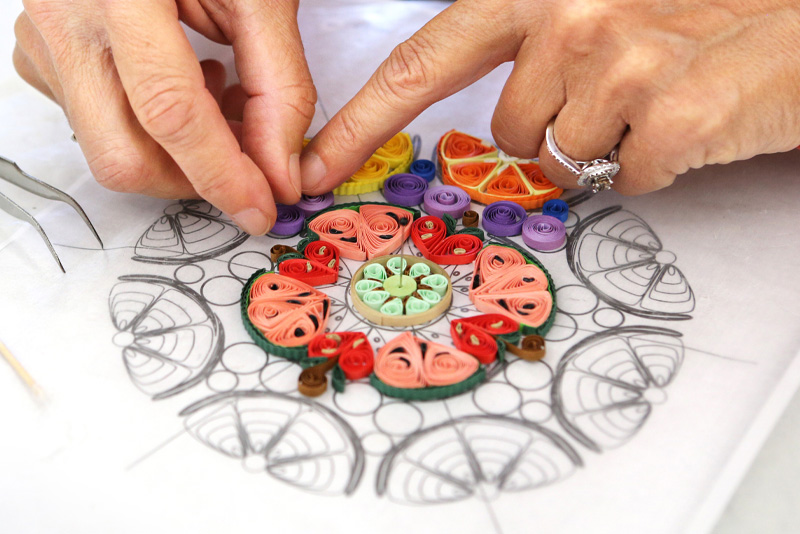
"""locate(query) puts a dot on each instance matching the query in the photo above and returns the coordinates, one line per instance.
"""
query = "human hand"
(147, 114)
(677, 83)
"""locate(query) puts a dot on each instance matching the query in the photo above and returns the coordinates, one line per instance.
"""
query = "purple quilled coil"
(405, 189)
(446, 199)
(543, 232)
(289, 222)
(503, 218)
(311, 205)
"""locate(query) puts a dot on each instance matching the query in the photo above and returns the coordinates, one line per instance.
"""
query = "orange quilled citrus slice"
(489, 175)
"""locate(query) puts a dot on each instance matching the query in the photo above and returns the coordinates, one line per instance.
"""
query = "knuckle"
(350, 131)
(120, 169)
(212, 187)
(509, 143)
(165, 106)
(303, 99)
(406, 70)
(583, 23)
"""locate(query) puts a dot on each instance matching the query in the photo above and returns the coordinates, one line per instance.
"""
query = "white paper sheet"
(98, 455)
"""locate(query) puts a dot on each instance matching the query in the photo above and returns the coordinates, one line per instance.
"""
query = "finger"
(28, 72)
(165, 86)
(641, 169)
(214, 75)
(120, 154)
(32, 44)
(274, 76)
(532, 96)
(587, 128)
(233, 100)
(433, 64)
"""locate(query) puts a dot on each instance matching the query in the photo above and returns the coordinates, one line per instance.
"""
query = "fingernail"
(295, 177)
(313, 170)
(253, 221)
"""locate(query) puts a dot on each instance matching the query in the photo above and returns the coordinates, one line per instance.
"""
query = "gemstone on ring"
(597, 174)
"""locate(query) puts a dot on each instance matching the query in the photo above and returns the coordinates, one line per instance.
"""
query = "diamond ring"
(597, 173)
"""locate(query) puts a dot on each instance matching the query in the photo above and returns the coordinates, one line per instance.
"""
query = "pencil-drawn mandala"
(619, 257)
(606, 385)
(190, 230)
(170, 337)
(474, 456)
(297, 441)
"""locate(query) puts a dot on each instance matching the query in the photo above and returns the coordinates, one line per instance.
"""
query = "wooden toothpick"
(23, 374)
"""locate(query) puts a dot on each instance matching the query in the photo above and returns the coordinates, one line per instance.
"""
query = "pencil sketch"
(605, 386)
(190, 230)
(518, 431)
(170, 337)
(294, 440)
(617, 255)
(476, 456)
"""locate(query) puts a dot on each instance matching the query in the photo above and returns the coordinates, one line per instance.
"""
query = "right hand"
(147, 113)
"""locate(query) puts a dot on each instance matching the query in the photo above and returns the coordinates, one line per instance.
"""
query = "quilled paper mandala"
(392, 158)
(283, 315)
(363, 231)
(509, 282)
(385, 297)
(489, 175)
(287, 316)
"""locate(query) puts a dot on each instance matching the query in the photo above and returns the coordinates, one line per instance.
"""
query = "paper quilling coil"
(373, 230)
(424, 168)
(556, 208)
(318, 266)
(543, 232)
(446, 199)
(474, 341)
(356, 357)
(405, 189)
(288, 313)
(429, 234)
(392, 158)
(409, 363)
(504, 283)
(532, 348)
(471, 219)
(504, 218)
(312, 204)
(289, 221)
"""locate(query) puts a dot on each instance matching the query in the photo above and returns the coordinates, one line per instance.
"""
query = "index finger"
(166, 89)
(455, 49)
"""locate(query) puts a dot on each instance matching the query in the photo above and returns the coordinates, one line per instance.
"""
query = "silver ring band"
(597, 174)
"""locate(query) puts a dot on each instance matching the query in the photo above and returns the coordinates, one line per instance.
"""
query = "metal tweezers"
(10, 172)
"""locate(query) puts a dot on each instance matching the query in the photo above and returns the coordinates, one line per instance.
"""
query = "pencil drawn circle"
(189, 273)
(359, 398)
(576, 300)
(244, 358)
(529, 376)
(280, 376)
(398, 418)
(222, 290)
(222, 381)
(564, 327)
(608, 317)
(244, 264)
(495, 398)
(536, 411)
(376, 443)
